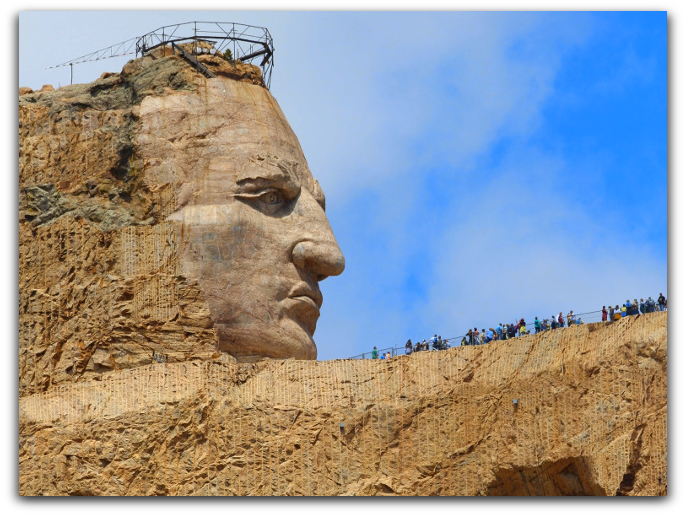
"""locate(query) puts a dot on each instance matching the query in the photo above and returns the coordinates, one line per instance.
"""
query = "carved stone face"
(254, 231)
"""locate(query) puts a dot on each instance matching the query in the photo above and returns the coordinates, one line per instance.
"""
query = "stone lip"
(591, 419)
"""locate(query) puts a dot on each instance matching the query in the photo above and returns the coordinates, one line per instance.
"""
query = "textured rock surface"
(591, 419)
(162, 212)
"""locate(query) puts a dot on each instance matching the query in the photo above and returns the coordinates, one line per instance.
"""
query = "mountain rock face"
(172, 236)
(164, 216)
(590, 418)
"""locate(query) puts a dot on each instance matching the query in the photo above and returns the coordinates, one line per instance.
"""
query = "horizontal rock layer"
(590, 419)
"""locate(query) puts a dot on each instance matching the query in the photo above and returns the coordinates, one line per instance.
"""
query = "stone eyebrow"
(261, 181)
(265, 173)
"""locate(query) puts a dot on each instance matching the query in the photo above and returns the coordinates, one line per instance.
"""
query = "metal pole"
(71, 73)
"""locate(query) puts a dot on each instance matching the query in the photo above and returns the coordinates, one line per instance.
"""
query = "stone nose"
(322, 258)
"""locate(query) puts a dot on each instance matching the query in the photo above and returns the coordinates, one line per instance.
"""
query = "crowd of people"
(519, 328)
(634, 308)
(434, 343)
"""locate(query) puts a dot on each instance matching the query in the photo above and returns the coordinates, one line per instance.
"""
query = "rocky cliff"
(141, 218)
(590, 418)
(98, 288)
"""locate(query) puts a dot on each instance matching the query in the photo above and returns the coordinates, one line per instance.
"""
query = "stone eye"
(272, 198)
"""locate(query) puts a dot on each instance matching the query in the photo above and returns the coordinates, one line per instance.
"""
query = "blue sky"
(479, 166)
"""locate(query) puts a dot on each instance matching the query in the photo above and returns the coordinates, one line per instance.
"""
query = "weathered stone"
(164, 212)
(591, 419)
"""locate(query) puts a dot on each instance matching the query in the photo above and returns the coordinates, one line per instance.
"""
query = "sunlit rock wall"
(591, 419)
(99, 286)
(102, 166)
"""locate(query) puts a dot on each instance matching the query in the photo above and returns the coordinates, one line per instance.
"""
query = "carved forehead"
(215, 138)
(269, 166)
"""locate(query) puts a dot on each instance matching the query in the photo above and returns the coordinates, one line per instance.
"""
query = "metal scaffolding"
(247, 43)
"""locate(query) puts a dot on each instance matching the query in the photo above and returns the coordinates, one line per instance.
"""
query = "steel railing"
(246, 42)
(596, 316)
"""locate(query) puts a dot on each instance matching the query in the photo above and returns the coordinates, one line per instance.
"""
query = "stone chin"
(288, 339)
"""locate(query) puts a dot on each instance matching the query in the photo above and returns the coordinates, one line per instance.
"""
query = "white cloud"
(376, 85)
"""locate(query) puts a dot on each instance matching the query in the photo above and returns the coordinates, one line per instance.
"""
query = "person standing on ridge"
(661, 302)
(650, 304)
(634, 307)
(605, 314)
